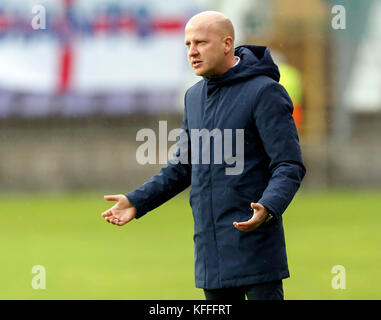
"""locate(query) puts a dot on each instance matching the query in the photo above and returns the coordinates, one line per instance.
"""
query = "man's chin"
(198, 72)
(201, 73)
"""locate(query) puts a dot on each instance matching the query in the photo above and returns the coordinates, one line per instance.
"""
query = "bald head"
(209, 37)
(214, 20)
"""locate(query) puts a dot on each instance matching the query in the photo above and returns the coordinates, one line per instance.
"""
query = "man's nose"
(192, 51)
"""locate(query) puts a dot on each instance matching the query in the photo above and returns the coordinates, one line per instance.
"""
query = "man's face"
(205, 49)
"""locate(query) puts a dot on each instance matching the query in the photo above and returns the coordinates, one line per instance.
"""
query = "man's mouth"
(196, 63)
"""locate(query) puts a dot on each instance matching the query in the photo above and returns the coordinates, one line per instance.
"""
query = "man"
(239, 238)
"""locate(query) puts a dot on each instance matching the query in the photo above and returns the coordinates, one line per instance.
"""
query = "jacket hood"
(255, 61)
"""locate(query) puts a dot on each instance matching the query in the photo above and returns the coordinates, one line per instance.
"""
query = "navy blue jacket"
(248, 96)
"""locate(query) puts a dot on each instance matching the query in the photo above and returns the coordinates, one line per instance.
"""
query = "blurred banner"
(78, 57)
(363, 89)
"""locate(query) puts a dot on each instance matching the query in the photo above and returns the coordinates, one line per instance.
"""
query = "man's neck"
(235, 60)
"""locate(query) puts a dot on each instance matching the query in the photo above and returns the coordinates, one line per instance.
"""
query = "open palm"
(122, 212)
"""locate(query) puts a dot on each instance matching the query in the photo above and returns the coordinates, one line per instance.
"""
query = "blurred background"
(74, 93)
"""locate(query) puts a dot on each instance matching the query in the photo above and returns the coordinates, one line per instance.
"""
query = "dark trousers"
(263, 291)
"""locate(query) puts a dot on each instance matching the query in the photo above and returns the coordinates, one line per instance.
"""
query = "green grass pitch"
(152, 258)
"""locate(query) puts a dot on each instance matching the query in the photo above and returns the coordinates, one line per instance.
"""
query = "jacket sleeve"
(277, 130)
(171, 180)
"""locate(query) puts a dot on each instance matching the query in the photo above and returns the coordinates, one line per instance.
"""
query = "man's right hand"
(122, 212)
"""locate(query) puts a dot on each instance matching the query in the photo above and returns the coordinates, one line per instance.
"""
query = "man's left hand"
(260, 215)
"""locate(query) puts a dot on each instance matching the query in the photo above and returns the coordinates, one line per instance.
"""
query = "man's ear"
(228, 42)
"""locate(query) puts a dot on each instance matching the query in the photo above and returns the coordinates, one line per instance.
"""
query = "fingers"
(114, 220)
(110, 219)
(112, 197)
(255, 206)
(118, 222)
(252, 223)
(246, 226)
(247, 223)
(107, 213)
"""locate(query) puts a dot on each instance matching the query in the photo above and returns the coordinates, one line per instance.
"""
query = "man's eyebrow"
(196, 40)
